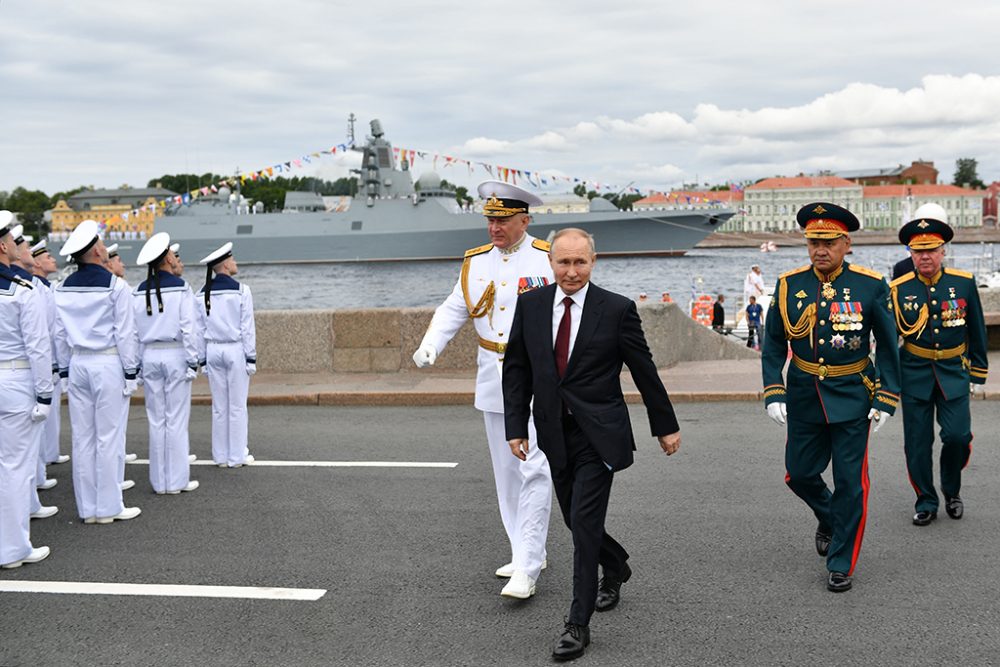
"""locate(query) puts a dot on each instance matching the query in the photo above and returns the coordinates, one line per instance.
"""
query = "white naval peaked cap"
(28, 238)
(154, 249)
(113, 250)
(6, 221)
(39, 248)
(931, 211)
(505, 191)
(176, 247)
(225, 251)
(17, 232)
(80, 240)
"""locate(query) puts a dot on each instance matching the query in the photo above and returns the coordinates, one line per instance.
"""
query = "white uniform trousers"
(168, 410)
(38, 472)
(230, 385)
(120, 437)
(17, 462)
(524, 491)
(96, 408)
(53, 427)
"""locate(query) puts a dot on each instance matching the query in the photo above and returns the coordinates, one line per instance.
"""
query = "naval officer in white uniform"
(26, 388)
(45, 266)
(166, 319)
(115, 265)
(230, 335)
(98, 349)
(492, 277)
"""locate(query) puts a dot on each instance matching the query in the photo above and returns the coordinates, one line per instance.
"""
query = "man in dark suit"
(566, 349)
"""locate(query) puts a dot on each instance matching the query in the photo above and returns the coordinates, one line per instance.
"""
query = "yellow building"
(125, 213)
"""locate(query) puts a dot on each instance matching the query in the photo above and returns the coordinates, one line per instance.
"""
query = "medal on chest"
(846, 316)
(827, 291)
(953, 313)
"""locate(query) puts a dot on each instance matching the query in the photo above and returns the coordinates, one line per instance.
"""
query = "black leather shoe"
(954, 507)
(924, 518)
(609, 592)
(823, 537)
(838, 582)
(572, 642)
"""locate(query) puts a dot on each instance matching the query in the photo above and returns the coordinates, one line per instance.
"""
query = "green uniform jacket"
(830, 325)
(938, 314)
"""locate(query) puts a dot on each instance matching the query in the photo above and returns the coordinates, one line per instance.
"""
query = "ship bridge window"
(244, 229)
(355, 225)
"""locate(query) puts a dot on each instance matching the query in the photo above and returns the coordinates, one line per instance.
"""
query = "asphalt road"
(725, 571)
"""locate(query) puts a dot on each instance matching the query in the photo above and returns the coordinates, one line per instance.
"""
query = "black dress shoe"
(572, 642)
(954, 507)
(609, 592)
(823, 537)
(838, 582)
(924, 518)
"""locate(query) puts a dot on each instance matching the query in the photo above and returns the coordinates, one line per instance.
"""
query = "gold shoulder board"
(479, 251)
(958, 272)
(865, 271)
(541, 245)
(906, 277)
(794, 271)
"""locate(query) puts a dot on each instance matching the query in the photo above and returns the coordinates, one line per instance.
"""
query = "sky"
(652, 94)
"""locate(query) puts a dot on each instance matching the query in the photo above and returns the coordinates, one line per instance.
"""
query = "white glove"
(251, 368)
(130, 387)
(879, 417)
(139, 381)
(425, 355)
(64, 384)
(190, 374)
(777, 412)
(40, 412)
(976, 390)
(204, 370)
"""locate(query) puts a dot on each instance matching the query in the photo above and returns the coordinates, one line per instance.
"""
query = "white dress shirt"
(575, 314)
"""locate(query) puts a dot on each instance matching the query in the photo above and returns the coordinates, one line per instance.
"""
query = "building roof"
(870, 173)
(129, 193)
(873, 191)
(689, 196)
(802, 183)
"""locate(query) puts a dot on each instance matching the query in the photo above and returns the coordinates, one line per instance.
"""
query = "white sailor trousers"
(230, 385)
(96, 408)
(168, 410)
(53, 427)
(524, 491)
(18, 437)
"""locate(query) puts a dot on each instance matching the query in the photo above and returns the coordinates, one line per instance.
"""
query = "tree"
(54, 199)
(580, 190)
(30, 205)
(966, 173)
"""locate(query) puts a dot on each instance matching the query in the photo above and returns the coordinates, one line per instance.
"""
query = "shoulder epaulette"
(865, 271)
(794, 271)
(958, 272)
(906, 277)
(544, 246)
(479, 251)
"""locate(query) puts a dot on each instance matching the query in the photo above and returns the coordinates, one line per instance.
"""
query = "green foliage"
(270, 191)
(30, 205)
(580, 190)
(54, 199)
(966, 173)
(717, 188)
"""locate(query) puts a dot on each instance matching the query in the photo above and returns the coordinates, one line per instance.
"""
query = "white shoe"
(507, 571)
(90, 520)
(520, 587)
(62, 458)
(192, 458)
(36, 555)
(47, 484)
(249, 459)
(126, 514)
(127, 484)
(222, 465)
(44, 512)
(192, 485)
(131, 457)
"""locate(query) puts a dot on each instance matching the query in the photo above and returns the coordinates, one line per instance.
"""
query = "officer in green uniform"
(827, 312)
(939, 316)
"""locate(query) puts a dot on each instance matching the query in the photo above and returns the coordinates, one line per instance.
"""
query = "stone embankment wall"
(383, 340)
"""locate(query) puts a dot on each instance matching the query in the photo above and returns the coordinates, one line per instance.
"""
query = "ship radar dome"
(224, 193)
(429, 181)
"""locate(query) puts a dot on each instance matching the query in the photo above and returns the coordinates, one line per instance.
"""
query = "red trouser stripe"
(865, 486)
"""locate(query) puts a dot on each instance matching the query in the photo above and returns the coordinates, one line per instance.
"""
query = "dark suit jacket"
(902, 267)
(610, 334)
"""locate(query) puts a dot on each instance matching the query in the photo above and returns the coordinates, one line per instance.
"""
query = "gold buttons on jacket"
(821, 341)
(934, 302)
(822, 323)
(820, 360)
(503, 284)
(823, 304)
(503, 307)
(937, 331)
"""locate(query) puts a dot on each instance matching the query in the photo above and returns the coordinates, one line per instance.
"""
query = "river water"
(418, 284)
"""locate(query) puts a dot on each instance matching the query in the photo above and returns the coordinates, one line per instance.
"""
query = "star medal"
(951, 292)
(828, 291)
(837, 342)
(854, 343)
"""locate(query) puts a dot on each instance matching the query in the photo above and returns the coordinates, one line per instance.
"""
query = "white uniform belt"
(163, 345)
(107, 350)
(14, 364)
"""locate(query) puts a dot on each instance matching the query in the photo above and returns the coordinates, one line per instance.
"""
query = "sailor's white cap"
(39, 248)
(504, 200)
(81, 239)
(113, 250)
(222, 253)
(6, 221)
(17, 233)
(175, 247)
(28, 238)
(154, 249)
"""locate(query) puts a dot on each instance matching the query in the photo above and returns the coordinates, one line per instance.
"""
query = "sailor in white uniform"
(45, 266)
(26, 388)
(166, 319)
(115, 265)
(176, 249)
(22, 265)
(491, 279)
(226, 309)
(98, 349)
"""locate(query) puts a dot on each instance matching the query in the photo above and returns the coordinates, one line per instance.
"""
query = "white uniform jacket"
(487, 290)
(24, 334)
(231, 319)
(177, 323)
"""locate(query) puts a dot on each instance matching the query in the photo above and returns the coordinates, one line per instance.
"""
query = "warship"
(393, 219)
